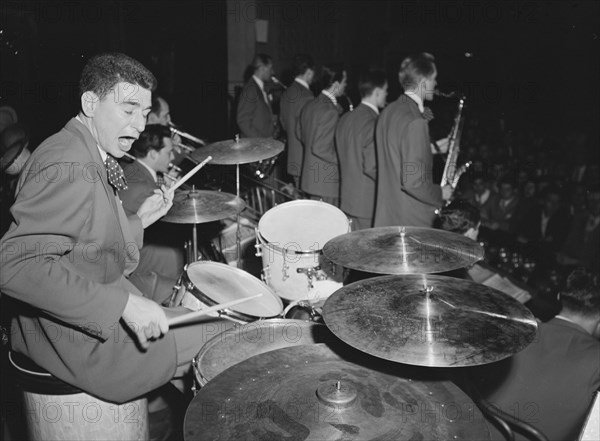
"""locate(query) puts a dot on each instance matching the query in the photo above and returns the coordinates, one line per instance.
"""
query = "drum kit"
(360, 364)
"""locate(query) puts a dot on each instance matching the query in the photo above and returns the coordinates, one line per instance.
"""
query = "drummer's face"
(117, 119)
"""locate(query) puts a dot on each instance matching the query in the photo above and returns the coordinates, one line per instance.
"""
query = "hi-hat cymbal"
(310, 393)
(428, 320)
(403, 250)
(199, 206)
(241, 151)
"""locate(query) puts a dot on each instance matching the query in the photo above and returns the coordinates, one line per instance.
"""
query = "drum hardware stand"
(238, 233)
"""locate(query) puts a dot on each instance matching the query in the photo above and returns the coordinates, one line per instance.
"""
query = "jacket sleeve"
(323, 139)
(41, 248)
(369, 162)
(246, 112)
(417, 164)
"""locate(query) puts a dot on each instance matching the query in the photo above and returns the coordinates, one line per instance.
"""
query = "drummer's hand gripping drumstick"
(189, 174)
(196, 314)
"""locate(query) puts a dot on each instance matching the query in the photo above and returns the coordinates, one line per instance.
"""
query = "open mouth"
(126, 141)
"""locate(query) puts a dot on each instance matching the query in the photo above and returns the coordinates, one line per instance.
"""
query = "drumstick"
(189, 174)
(195, 314)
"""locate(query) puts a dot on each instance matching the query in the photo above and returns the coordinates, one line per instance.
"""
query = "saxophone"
(451, 174)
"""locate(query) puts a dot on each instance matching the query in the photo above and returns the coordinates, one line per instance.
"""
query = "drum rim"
(200, 295)
(263, 240)
(212, 342)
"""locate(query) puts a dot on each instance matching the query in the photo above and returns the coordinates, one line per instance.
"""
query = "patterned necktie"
(116, 177)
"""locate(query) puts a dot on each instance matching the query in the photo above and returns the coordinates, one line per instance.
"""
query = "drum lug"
(286, 267)
(265, 274)
(257, 246)
(311, 273)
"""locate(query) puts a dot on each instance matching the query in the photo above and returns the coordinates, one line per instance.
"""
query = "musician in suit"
(254, 114)
(406, 194)
(66, 256)
(161, 263)
(355, 143)
(292, 101)
(316, 128)
(551, 383)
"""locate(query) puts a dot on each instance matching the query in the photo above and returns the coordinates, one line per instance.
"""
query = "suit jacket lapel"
(82, 132)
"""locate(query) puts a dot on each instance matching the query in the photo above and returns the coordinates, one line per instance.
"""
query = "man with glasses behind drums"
(161, 262)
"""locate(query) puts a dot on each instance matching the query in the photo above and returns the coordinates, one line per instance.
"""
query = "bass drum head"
(302, 225)
(242, 342)
(223, 283)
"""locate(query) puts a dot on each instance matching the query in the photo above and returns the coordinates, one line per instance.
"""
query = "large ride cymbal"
(199, 206)
(310, 393)
(241, 151)
(403, 250)
(429, 320)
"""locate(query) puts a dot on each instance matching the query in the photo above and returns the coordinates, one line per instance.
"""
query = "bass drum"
(291, 237)
(206, 284)
(242, 342)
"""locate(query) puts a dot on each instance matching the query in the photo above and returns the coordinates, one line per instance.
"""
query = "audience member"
(503, 210)
(582, 246)
(551, 383)
(547, 224)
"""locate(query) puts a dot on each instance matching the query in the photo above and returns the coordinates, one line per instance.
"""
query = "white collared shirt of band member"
(331, 96)
(375, 109)
(302, 82)
(261, 85)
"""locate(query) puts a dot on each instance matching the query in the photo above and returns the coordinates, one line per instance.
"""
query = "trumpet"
(450, 94)
(184, 147)
(276, 81)
(176, 131)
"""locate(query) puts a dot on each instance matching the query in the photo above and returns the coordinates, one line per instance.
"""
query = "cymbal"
(199, 206)
(241, 151)
(308, 392)
(429, 320)
(403, 250)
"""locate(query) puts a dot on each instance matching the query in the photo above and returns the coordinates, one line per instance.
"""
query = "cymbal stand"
(238, 233)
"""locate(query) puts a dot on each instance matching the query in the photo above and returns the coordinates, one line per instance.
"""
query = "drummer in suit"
(161, 262)
(67, 255)
(316, 129)
(355, 143)
(292, 101)
(406, 194)
(254, 114)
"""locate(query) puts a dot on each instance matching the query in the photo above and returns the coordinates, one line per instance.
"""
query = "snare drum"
(291, 237)
(210, 283)
(242, 342)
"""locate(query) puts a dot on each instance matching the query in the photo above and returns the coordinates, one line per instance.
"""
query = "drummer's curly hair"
(102, 72)
(582, 293)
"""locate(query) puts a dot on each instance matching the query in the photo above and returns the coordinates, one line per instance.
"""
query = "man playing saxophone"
(406, 194)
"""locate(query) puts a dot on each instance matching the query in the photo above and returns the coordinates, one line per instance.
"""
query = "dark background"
(530, 62)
